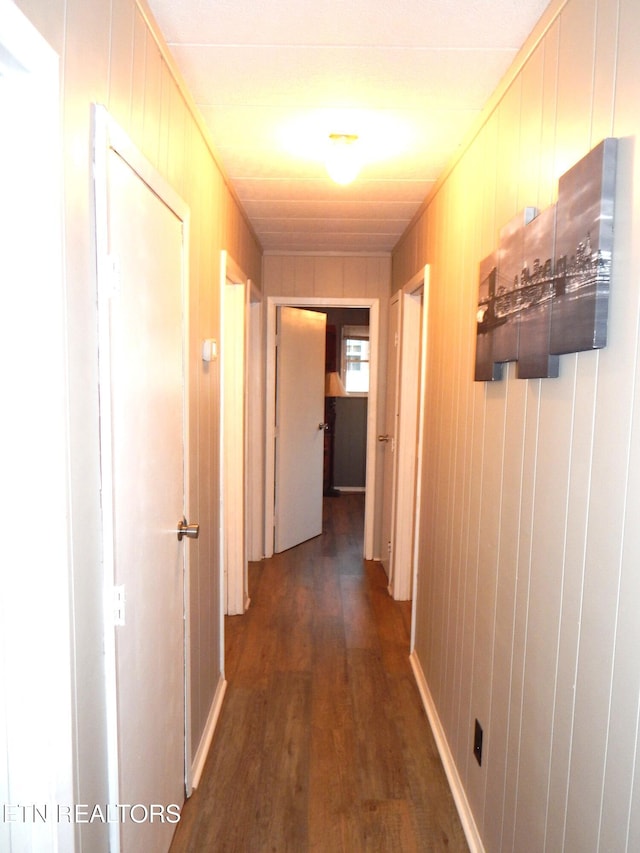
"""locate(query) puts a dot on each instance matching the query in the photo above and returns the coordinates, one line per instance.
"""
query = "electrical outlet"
(477, 743)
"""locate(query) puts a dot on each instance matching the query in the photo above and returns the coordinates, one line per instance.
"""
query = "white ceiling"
(273, 78)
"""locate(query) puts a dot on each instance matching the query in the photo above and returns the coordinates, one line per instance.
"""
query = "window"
(355, 359)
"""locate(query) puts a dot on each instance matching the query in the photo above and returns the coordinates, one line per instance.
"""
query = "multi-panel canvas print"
(544, 292)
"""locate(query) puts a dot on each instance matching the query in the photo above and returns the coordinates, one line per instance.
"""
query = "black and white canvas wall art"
(534, 357)
(509, 286)
(544, 292)
(488, 367)
(584, 246)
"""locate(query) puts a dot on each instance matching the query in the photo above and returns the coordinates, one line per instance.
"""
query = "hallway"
(322, 743)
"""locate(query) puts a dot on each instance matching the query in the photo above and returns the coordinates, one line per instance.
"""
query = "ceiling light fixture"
(343, 158)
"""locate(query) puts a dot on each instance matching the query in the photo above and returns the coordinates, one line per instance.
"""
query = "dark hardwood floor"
(322, 743)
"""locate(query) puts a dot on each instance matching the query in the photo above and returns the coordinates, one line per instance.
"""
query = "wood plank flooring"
(322, 743)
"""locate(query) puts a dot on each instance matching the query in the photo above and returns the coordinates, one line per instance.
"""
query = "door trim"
(273, 303)
(235, 291)
(109, 136)
(421, 281)
(412, 330)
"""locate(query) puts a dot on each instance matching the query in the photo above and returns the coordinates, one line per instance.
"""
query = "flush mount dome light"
(343, 160)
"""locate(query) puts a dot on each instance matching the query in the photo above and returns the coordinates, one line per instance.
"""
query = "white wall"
(529, 588)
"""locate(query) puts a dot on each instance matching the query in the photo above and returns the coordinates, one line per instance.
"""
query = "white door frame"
(235, 294)
(255, 426)
(36, 640)
(420, 282)
(408, 457)
(273, 303)
(109, 136)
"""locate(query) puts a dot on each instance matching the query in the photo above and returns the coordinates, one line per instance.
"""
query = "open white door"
(299, 426)
(142, 250)
(387, 440)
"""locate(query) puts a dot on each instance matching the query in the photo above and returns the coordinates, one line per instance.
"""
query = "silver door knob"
(323, 426)
(384, 437)
(191, 531)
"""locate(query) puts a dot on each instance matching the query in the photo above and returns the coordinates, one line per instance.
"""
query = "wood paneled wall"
(341, 276)
(111, 54)
(529, 581)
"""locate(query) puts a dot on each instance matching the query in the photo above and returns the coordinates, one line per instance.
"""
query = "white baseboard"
(207, 736)
(455, 783)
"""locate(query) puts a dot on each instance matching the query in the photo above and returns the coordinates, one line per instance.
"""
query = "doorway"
(36, 640)
(241, 442)
(411, 376)
(408, 323)
(346, 400)
(272, 305)
(233, 442)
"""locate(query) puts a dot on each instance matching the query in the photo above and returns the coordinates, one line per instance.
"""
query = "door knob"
(323, 426)
(189, 530)
(384, 437)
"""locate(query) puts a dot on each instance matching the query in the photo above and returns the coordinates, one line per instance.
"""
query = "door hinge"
(118, 605)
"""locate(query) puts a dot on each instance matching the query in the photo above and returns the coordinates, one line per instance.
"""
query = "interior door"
(143, 432)
(408, 389)
(388, 439)
(299, 426)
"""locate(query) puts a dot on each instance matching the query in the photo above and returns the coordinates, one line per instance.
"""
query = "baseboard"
(455, 783)
(207, 736)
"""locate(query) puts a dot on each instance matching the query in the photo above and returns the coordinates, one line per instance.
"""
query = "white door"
(233, 445)
(299, 426)
(387, 440)
(143, 433)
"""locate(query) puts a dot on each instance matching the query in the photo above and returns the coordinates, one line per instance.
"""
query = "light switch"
(209, 349)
